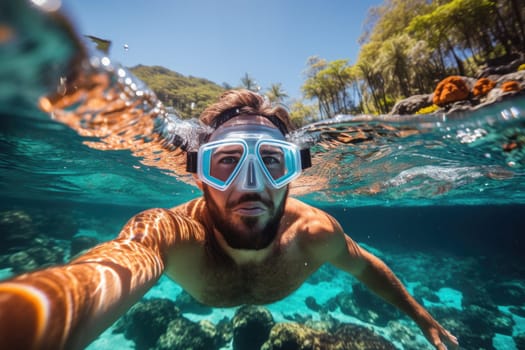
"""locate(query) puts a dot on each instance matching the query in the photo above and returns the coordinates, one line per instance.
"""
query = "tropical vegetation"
(407, 47)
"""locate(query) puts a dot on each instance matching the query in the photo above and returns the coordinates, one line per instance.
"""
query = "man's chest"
(260, 283)
(217, 283)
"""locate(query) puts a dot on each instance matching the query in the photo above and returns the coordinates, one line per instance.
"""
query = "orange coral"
(450, 89)
(483, 86)
(511, 85)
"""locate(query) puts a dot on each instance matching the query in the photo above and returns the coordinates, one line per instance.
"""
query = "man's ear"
(198, 182)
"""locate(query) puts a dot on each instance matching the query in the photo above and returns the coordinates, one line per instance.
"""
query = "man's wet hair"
(245, 102)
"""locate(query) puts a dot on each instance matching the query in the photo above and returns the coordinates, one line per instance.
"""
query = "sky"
(222, 40)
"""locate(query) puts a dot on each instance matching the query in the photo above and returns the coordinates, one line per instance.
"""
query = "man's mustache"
(251, 197)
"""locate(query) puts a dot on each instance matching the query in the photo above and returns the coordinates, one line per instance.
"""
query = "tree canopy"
(188, 95)
(407, 46)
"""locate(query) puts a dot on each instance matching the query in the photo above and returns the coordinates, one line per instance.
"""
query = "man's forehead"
(245, 119)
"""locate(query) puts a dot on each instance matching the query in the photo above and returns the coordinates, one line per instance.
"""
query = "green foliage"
(331, 84)
(188, 95)
(302, 114)
(276, 94)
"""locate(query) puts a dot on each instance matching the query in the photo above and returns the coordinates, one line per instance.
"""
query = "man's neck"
(244, 256)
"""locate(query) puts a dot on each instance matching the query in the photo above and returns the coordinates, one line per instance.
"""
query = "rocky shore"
(460, 93)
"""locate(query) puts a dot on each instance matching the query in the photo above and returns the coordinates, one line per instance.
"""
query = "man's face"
(247, 218)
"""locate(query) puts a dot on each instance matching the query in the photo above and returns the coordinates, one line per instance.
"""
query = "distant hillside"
(188, 95)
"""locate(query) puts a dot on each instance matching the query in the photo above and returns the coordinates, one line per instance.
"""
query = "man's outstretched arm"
(66, 307)
(380, 279)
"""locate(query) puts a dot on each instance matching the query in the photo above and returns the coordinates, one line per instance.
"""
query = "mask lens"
(225, 160)
(220, 162)
(280, 161)
(273, 159)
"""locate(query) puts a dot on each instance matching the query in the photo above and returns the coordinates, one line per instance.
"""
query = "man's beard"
(247, 235)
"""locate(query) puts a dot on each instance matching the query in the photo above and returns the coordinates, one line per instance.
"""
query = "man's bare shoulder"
(314, 218)
(316, 231)
(312, 222)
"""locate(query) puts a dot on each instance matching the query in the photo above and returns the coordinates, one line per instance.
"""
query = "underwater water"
(440, 198)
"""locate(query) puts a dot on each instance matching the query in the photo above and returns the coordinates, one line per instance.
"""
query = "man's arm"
(66, 307)
(331, 243)
(380, 279)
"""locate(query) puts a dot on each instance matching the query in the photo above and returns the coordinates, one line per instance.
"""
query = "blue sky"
(221, 40)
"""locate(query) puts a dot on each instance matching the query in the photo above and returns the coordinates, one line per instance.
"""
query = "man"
(244, 242)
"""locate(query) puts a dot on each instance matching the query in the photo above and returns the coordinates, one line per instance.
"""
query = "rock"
(510, 86)
(61, 225)
(146, 321)
(412, 104)
(293, 336)
(482, 87)
(17, 229)
(312, 304)
(361, 338)
(181, 333)
(451, 89)
(41, 252)
(507, 293)
(515, 76)
(251, 327)
(519, 340)
(364, 305)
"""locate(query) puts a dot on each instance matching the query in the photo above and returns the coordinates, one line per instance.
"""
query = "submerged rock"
(17, 230)
(361, 303)
(146, 321)
(42, 253)
(251, 327)
(294, 336)
(182, 333)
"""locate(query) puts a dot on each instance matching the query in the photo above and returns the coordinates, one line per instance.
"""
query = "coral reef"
(17, 229)
(181, 333)
(294, 336)
(22, 247)
(251, 327)
(146, 321)
(158, 324)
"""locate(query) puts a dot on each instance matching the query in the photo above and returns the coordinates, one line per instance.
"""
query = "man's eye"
(271, 160)
(229, 160)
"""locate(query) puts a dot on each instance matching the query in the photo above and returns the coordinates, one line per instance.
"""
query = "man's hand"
(438, 336)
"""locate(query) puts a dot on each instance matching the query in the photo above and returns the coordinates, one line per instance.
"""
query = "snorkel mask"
(248, 156)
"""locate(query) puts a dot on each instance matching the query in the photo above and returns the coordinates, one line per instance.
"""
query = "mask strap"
(306, 158)
(191, 162)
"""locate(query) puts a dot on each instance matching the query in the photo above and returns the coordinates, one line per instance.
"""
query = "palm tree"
(276, 94)
(249, 83)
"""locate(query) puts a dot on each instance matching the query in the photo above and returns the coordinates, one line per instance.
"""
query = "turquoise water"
(440, 198)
